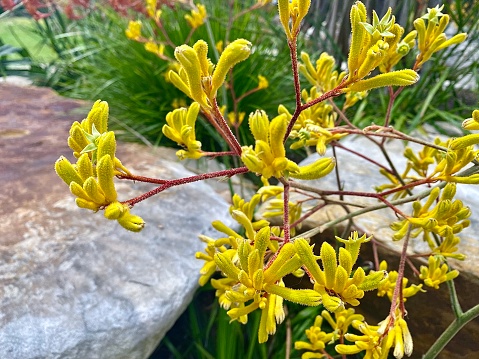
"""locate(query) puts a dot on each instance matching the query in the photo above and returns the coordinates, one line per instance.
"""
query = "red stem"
(181, 181)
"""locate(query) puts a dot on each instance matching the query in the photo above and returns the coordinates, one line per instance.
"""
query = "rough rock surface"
(73, 284)
(430, 313)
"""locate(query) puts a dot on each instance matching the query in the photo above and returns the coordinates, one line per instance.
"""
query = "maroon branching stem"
(219, 123)
(397, 294)
(133, 177)
(341, 114)
(378, 196)
(339, 145)
(297, 88)
(404, 137)
(407, 186)
(165, 34)
(294, 65)
(326, 354)
(212, 155)
(308, 214)
(332, 93)
(374, 244)
(247, 93)
(189, 35)
(286, 225)
(413, 267)
(229, 136)
(182, 181)
(392, 98)
(336, 170)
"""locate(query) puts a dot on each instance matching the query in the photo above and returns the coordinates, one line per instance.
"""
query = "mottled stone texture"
(429, 313)
(73, 284)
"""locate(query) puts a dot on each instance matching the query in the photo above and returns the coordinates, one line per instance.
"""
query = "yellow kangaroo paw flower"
(244, 250)
(395, 78)
(257, 279)
(286, 252)
(119, 166)
(277, 130)
(67, 172)
(188, 58)
(464, 141)
(226, 266)
(372, 280)
(345, 260)
(255, 262)
(237, 51)
(106, 145)
(283, 9)
(98, 116)
(93, 190)
(201, 48)
(259, 125)
(115, 210)
(301, 296)
(84, 166)
(79, 192)
(179, 83)
(357, 15)
(261, 240)
(328, 258)
(83, 203)
(131, 222)
(270, 321)
(306, 254)
(105, 174)
(77, 136)
(315, 170)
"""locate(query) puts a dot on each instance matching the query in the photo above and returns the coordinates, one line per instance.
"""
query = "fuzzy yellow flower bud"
(315, 170)
(301, 296)
(115, 210)
(395, 78)
(67, 172)
(106, 174)
(188, 58)
(237, 51)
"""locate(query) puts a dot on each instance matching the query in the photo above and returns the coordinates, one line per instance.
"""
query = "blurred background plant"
(80, 49)
(95, 59)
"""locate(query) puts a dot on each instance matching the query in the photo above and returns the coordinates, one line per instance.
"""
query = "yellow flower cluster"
(337, 282)
(292, 12)
(268, 157)
(133, 32)
(377, 341)
(197, 17)
(180, 127)
(431, 37)
(370, 47)
(151, 9)
(91, 178)
(445, 219)
(311, 127)
(255, 264)
(386, 287)
(318, 339)
(198, 78)
(436, 272)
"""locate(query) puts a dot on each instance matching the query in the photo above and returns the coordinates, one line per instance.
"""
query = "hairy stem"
(181, 181)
